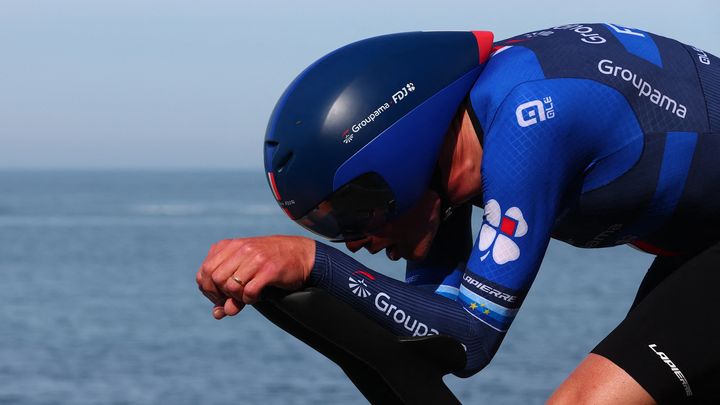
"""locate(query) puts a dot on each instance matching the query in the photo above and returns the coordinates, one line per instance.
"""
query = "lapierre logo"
(535, 111)
(349, 134)
(674, 369)
(498, 231)
(357, 284)
(489, 290)
(382, 303)
(645, 89)
(604, 235)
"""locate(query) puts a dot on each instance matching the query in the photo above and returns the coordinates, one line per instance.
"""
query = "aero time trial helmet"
(354, 140)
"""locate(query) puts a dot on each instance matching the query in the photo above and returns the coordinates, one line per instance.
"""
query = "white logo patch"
(535, 111)
(358, 287)
(497, 231)
(348, 136)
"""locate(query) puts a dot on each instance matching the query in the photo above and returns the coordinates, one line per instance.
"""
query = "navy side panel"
(695, 224)
(708, 68)
(597, 217)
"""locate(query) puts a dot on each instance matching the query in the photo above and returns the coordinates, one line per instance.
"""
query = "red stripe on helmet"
(273, 186)
(652, 249)
(485, 43)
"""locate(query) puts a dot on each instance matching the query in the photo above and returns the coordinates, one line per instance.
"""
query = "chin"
(419, 253)
(412, 255)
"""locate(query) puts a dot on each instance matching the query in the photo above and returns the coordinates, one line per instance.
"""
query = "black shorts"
(670, 340)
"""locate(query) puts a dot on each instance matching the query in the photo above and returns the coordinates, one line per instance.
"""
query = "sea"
(99, 305)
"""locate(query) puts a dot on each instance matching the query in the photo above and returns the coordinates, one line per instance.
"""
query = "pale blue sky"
(174, 84)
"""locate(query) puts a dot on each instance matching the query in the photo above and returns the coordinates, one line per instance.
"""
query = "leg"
(599, 381)
(666, 349)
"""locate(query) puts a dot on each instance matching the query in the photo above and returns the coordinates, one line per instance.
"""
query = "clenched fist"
(236, 271)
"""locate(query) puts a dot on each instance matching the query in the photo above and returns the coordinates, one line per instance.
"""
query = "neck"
(460, 161)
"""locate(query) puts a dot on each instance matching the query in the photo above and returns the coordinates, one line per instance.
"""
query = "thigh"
(670, 340)
(598, 381)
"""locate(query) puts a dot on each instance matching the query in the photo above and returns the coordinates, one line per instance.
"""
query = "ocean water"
(98, 303)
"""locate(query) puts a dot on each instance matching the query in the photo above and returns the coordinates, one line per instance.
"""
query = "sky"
(180, 84)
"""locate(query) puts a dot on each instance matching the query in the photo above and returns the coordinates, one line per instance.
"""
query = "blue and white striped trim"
(490, 313)
(447, 291)
(471, 296)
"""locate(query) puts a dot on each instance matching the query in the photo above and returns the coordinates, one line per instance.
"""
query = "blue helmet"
(355, 138)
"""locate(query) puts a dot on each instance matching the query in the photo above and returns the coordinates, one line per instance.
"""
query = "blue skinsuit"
(594, 134)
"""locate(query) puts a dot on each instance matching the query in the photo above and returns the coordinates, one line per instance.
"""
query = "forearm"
(401, 308)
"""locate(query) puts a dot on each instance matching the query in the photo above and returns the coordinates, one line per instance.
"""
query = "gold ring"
(237, 280)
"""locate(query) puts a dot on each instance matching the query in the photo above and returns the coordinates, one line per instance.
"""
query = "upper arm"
(530, 159)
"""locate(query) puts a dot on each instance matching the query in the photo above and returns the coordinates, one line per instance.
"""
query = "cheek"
(418, 238)
(424, 240)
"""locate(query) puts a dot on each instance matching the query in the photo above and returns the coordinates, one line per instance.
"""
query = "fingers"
(233, 307)
(230, 307)
(218, 312)
(235, 272)
(241, 263)
(217, 255)
(250, 293)
(235, 286)
(223, 249)
(215, 299)
(215, 247)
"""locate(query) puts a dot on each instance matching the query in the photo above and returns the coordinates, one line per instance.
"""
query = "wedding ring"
(237, 280)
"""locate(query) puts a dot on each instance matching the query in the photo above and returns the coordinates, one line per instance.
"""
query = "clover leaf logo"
(499, 230)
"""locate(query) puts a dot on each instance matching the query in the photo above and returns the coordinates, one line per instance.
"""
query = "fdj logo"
(535, 111)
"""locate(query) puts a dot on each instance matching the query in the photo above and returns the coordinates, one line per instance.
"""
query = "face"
(409, 236)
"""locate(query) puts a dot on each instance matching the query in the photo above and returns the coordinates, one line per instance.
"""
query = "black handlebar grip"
(385, 368)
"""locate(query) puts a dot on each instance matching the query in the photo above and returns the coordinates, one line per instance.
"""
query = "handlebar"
(387, 369)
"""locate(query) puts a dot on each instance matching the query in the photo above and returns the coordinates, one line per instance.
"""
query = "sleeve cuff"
(321, 268)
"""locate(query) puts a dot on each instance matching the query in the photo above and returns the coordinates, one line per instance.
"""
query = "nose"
(372, 243)
(356, 245)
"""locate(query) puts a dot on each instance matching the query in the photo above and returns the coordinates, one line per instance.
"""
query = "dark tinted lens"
(357, 208)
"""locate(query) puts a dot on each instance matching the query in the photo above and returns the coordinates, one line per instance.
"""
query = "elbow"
(480, 349)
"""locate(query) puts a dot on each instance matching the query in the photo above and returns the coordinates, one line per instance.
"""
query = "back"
(643, 132)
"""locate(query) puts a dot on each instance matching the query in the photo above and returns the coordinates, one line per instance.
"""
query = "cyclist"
(594, 134)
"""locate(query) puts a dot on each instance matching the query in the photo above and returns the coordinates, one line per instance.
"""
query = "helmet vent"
(281, 160)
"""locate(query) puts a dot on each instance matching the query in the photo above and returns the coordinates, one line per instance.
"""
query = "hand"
(236, 271)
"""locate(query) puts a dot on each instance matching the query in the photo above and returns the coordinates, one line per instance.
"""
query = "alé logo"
(499, 231)
(535, 111)
(358, 285)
